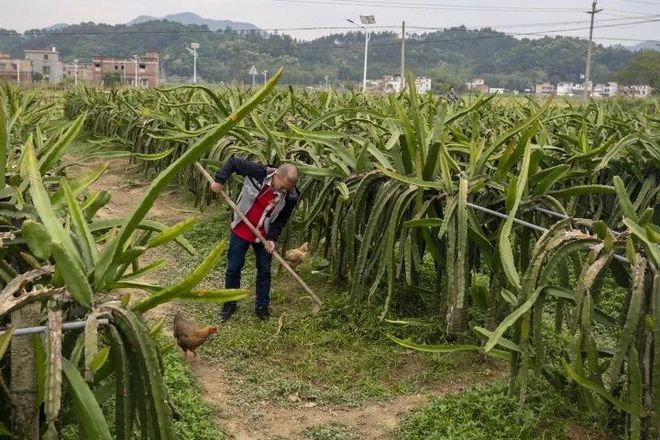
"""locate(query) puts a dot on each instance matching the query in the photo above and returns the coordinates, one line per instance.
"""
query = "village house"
(141, 70)
(15, 69)
(45, 62)
(545, 89)
(392, 84)
(608, 90)
(638, 91)
(477, 85)
(83, 71)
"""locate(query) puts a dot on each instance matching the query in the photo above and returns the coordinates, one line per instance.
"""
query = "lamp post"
(193, 51)
(135, 81)
(365, 20)
(265, 72)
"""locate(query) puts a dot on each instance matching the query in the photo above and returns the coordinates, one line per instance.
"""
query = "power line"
(514, 34)
(337, 28)
(556, 23)
(642, 2)
(453, 7)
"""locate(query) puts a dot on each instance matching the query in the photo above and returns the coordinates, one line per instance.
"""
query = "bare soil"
(373, 421)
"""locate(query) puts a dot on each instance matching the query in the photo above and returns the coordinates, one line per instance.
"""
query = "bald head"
(286, 177)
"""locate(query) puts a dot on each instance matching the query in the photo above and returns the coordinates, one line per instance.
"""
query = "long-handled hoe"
(317, 301)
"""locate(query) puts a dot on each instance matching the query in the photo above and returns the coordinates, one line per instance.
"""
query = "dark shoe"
(228, 309)
(262, 312)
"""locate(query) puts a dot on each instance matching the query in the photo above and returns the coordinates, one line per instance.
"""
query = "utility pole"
(75, 72)
(587, 72)
(403, 56)
(326, 82)
(18, 72)
(265, 72)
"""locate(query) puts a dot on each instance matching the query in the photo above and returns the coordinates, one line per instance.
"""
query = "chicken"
(190, 336)
(297, 256)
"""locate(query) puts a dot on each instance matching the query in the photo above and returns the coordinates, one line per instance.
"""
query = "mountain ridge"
(191, 18)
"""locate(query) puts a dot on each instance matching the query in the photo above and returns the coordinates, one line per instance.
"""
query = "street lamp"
(365, 20)
(135, 81)
(75, 72)
(265, 72)
(193, 51)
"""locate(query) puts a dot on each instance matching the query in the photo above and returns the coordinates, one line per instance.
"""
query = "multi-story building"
(80, 71)
(46, 63)
(608, 90)
(392, 84)
(423, 84)
(478, 85)
(565, 89)
(142, 70)
(545, 89)
(15, 70)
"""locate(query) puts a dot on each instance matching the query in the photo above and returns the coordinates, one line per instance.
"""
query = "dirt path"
(373, 421)
(266, 420)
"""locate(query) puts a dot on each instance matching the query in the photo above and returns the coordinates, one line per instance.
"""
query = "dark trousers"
(236, 260)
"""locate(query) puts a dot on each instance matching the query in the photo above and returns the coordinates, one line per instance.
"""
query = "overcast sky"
(532, 16)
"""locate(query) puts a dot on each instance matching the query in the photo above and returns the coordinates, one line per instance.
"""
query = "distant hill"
(449, 57)
(190, 18)
(645, 45)
(56, 26)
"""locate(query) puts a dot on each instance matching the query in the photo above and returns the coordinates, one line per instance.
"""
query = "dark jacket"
(255, 177)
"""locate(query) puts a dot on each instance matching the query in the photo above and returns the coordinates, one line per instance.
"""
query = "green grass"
(488, 413)
(196, 422)
(340, 357)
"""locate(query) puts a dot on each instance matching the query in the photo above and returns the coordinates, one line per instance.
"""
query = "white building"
(392, 84)
(608, 90)
(47, 63)
(499, 90)
(638, 91)
(565, 89)
(423, 84)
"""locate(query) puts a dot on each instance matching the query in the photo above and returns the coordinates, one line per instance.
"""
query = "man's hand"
(270, 246)
(216, 187)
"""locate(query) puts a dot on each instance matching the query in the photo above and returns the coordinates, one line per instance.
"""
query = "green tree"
(644, 68)
(112, 78)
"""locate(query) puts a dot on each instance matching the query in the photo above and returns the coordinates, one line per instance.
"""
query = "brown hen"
(297, 256)
(188, 335)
